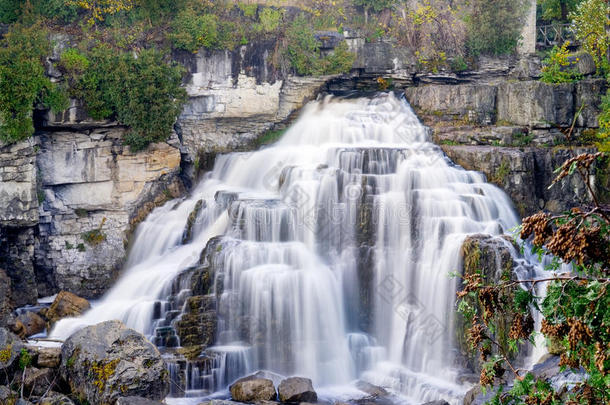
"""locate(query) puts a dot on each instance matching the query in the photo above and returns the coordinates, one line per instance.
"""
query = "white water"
(339, 241)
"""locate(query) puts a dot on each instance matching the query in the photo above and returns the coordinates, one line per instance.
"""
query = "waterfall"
(334, 258)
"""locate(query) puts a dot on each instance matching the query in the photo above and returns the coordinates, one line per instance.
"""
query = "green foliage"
(494, 28)
(156, 11)
(25, 359)
(375, 5)
(303, 52)
(73, 64)
(589, 22)
(576, 307)
(269, 20)
(557, 10)
(604, 124)
(142, 92)
(302, 49)
(249, 10)
(270, 137)
(557, 68)
(23, 83)
(191, 31)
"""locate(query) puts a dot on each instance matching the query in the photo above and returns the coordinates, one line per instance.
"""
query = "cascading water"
(334, 261)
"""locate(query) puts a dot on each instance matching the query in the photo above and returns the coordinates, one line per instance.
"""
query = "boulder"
(49, 357)
(36, 381)
(297, 389)
(137, 401)
(66, 305)
(253, 389)
(55, 398)
(585, 64)
(33, 324)
(106, 361)
(10, 350)
(372, 390)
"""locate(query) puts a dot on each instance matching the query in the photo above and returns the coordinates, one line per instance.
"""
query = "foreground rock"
(10, 349)
(104, 362)
(297, 389)
(137, 401)
(253, 389)
(28, 324)
(66, 305)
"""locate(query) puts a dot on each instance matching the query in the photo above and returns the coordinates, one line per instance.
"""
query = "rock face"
(253, 389)
(493, 256)
(6, 306)
(296, 390)
(66, 305)
(104, 362)
(525, 174)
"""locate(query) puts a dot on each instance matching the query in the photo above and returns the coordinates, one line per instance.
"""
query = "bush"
(589, 23)
(12, 10)
(340, 61)
(375, 5)
(191, 32)
(269, 20)
(142, 92)
(494, 27)
(557, 67)
(302, 48)
(23, 83)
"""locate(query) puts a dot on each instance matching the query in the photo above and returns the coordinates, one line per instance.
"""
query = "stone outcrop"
(31, 324)
(10, 349)
(297, 390)
(253, 389)
(65, 305)
(6, 306)
(525, 174)
(104, 362)
(493, 257)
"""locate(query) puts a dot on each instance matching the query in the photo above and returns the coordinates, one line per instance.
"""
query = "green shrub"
(269, 20)
(23, 83)
(142, 92)
(302, 48)
(589, 22)
(73, 64)
(249, 10)
(191, 31)
(375, 5)
(494, 27)
(10, 11)
(557, 68)
(340, 61)
(155, 11)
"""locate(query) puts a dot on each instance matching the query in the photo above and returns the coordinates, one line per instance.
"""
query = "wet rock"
(137, 401)
(33, 323)
(439, 402)
(188, 231)
(66, 305)
(104, 362)
(297, 389)
(55, 398)
(49, 357)
(493, 256)
(253, 389)
(10, 349)
(371, 389)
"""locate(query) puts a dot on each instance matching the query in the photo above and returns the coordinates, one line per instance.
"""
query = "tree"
(494, 27)
(591, 21)
(558, 10)
(375, 5)
(98, 9)
(576, 307)
(23, 83)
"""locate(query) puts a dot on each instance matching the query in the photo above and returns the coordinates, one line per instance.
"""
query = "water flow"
(334, 263)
